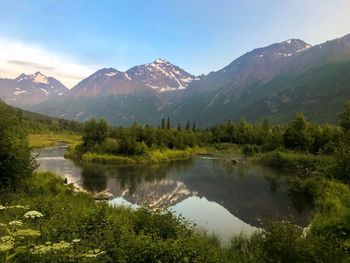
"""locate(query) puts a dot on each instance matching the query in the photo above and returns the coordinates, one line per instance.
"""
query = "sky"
(71, 39)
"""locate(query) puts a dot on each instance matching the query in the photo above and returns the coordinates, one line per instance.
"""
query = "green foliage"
(341, 167)
(94, 133)
(345, 118)
(297, 162)
(16, 161)
(250, 150)
(298, 134)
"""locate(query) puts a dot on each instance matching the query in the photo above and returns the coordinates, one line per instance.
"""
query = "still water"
(216, 196)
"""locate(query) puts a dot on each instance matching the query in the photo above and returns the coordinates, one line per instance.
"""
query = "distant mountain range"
(273, 82)
(30, 89)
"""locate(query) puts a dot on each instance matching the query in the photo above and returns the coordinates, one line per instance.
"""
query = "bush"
(250, 150)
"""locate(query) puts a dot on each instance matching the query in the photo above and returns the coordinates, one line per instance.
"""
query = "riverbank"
(150, 157)
(42, 140)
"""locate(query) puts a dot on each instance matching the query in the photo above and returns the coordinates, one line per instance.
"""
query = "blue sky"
(69, 39)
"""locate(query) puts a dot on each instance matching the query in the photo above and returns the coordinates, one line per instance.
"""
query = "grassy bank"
(152, 156)
(301, 163)
(43, 140)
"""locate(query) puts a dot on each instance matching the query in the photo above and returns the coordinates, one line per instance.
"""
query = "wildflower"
(27, 233)
(18, 207)
(16, 223)
(93, 253)
(5, 239)
(55, 247)
(61, 245)
(76, 240)
(33, 214)
(41, 249)
(6, 243)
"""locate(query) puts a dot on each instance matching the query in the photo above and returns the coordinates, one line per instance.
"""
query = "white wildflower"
(16, 223)
(27, 233)
(61, 245)
(6, 243)
(18, 206)
(33, 214)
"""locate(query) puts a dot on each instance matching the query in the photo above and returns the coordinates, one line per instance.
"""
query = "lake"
(218, 197)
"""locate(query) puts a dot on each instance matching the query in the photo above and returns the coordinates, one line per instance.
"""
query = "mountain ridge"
(263, 76)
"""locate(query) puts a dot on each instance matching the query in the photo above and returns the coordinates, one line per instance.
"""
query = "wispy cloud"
(17, 57)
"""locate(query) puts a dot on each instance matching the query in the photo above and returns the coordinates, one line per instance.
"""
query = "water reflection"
(217, 196)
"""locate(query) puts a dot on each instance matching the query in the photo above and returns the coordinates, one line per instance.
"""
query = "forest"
(44, 220)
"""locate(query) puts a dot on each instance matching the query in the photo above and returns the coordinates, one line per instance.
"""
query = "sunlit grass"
(43, 140)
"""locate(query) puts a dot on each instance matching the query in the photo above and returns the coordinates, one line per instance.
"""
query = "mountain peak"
(160, 61)
(296, 45)
(293, 41)
(37, 77)
(38, 73)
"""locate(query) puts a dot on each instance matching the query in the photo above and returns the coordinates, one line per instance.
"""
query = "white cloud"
(18, 57)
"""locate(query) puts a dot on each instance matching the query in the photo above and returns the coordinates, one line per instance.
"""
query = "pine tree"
(194, 126)
(168, 126)
(163, 124)
(187, 126)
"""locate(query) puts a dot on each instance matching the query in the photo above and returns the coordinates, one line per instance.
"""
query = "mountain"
(138, 94)
(159, 76)
(273, 82)
(30, 89)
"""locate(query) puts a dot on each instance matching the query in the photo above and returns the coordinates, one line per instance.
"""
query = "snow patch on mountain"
(45, 91)
(39, 78)
(111, 74)
(19, 91)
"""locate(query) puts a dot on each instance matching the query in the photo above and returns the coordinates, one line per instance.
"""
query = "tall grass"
(107, 159)
(296, 162)
(152, 156)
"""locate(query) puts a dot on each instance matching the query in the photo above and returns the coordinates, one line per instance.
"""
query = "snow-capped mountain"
(160, 76)
(30, 89)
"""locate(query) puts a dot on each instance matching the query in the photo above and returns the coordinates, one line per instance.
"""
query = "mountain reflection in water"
(227, 199)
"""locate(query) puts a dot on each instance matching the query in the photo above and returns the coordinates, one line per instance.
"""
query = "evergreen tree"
(187, 128)
(298, 134)
(163, 124)
(345, 118)
(168, 126)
